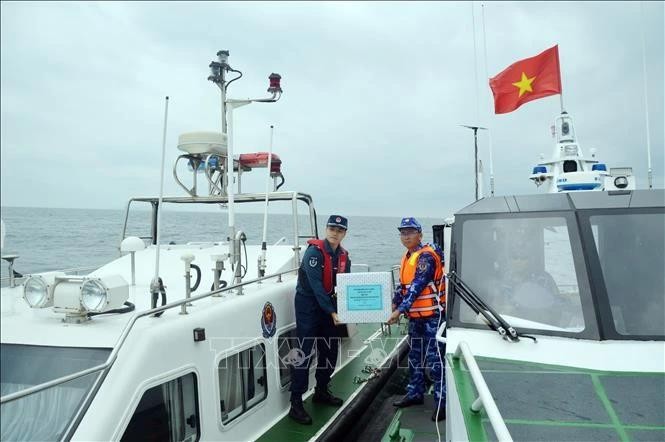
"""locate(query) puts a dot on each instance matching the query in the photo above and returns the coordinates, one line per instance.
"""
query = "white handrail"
(485, 398)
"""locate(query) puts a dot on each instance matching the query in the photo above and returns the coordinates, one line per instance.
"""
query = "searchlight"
(75, 296)
(38, 289)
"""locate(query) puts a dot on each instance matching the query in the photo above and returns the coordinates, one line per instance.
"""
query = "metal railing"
(240, 198)
(394, 272)
(73, 271)
(123, 336)
(484, 398)
(294, 197)
(364, 266)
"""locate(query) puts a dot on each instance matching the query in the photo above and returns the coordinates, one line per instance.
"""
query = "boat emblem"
(313, 261)
(268, 320)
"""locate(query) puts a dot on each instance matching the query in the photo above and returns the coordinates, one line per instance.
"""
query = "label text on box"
(364, 297)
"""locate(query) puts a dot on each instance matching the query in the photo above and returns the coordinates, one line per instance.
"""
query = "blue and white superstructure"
(569, 170)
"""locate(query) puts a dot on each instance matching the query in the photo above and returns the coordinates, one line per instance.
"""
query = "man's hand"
(394, 317)
(335, 318)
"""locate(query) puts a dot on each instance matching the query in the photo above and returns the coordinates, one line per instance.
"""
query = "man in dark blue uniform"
(316, 316)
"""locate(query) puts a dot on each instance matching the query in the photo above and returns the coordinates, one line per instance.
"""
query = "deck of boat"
(542, 402)
(342, 384)
(382, 421)
(538, 402)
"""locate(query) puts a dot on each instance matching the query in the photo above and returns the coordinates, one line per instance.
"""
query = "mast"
(218, 76)
(475, 156)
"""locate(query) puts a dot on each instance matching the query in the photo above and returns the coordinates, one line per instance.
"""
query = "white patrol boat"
(188, 341)
(568, 169)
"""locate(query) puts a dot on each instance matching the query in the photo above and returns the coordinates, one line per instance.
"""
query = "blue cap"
(410, 223)
(338, 221)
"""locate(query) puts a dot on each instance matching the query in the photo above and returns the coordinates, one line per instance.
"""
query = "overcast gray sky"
(374, 95)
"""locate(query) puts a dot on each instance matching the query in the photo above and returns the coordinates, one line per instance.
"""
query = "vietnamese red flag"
(527, 80)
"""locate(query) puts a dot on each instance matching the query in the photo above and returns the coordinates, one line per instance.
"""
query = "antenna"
(475, 62)
(646, 98)
(262, 259)
(489, 132)
(218, 70)
(156, 285)
(475, 143)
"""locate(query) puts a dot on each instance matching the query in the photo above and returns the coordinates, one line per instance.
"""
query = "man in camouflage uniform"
(420, 297)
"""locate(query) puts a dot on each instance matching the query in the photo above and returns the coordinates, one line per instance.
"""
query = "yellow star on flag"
(524, 84)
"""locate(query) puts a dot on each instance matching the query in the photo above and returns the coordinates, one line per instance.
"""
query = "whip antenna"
(262, 260)
(475, 62)
(489, 132)
(156, 285)
(646, 98)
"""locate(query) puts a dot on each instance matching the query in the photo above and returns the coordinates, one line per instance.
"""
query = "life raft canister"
(260, 159)
(342, 259)
(433, 296)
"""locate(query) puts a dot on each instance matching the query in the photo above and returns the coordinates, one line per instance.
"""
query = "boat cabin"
(555, 317)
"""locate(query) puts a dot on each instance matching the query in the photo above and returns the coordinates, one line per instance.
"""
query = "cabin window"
(570, 166)
(47, 414)
(287, 344)
(167, 412)
(242, 381)
(630, 251)
(526, 270)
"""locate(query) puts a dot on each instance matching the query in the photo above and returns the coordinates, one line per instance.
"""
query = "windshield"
(525, 269)
(630, 249)
(44, 415)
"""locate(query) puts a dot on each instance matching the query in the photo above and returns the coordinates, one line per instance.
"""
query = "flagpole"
(489, 132)
(560, 83)
(561, 98)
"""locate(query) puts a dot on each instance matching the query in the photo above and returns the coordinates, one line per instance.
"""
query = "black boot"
(324, 396)
(298, 413)
(441, 416)
(407, 401)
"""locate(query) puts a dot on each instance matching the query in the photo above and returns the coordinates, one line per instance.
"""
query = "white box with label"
(364, 298)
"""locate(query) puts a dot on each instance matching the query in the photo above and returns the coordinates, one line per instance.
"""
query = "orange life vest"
(328, 264)
(429, 301)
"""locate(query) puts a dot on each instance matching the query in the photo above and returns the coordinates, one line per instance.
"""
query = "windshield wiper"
(494, 319)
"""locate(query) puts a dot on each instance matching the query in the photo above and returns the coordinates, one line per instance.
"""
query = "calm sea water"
(53, 239)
